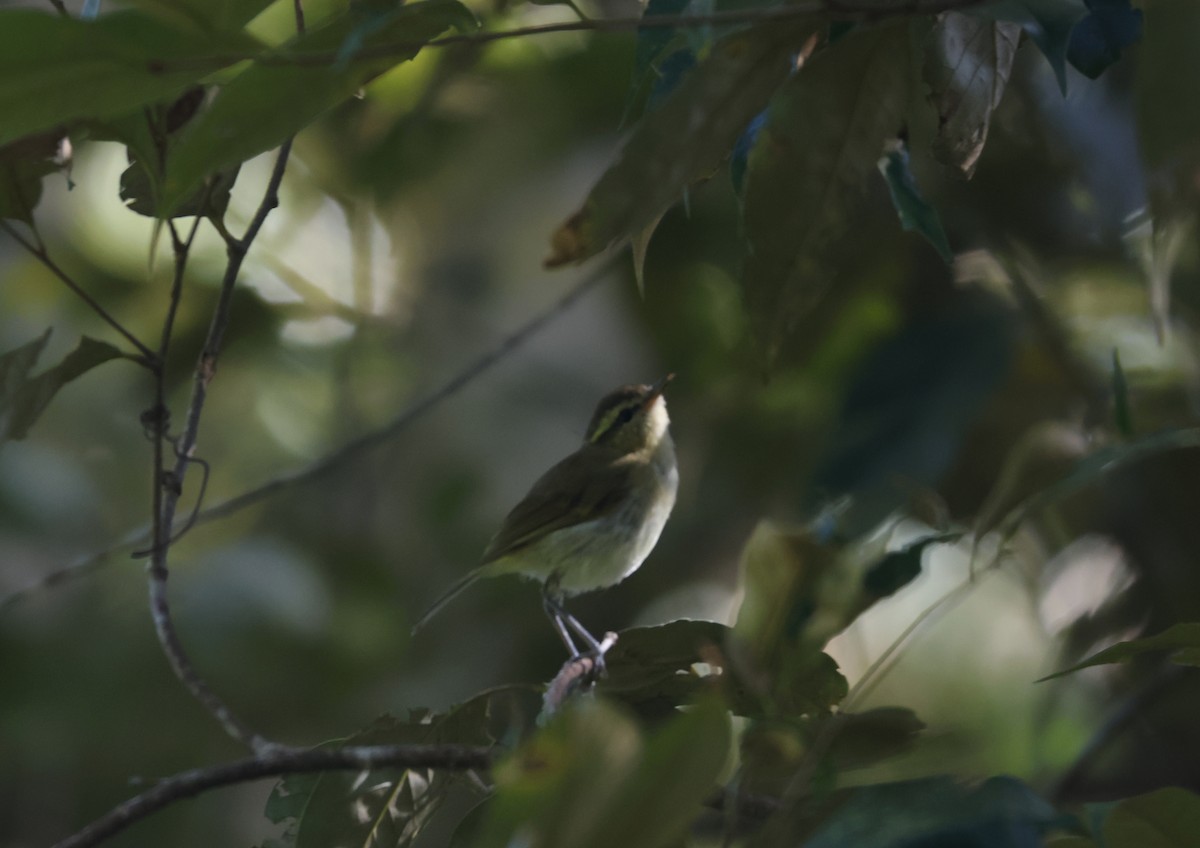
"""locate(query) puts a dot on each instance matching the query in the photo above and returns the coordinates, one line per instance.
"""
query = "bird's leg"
(555, 613)
(552, 602)
(582, 632)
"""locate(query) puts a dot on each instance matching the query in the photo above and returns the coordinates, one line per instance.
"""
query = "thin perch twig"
(273, 764)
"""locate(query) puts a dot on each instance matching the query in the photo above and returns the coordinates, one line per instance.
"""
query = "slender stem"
(169, 486)
(1123, 718)
(417, 410)
(277, 762)
(847, 10)
(348, 452)
(38, 251)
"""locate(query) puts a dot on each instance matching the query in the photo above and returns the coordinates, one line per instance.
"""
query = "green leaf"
(1169, 125)
(390, 806)
(797, 588)
(137, 190)
(684, 139)
(269, 102)
(589, 780)
(937, 809)
(55, 69)
(1122, 415)
(1047, 22)
(1182, 640)
(206, 15)
(1167, 818)
(679, 769)
(916, 215)
(23, 398)
(899, 568)
(652, 41)
(1045, 455)
(967, 67)
(1068, 841)
(655, 670)
(1042, 493)
(865, 738)
(23, 164)
(823, 136)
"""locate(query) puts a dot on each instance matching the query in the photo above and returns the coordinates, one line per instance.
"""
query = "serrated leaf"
(23, 164)
(1098, 39)
(55, 69)
(967, 68)
(1048, 23)
(824, 133)
(1167, 818)
(137, 191)
(916, 215)
(653, 669)
(681, 141)
(269, 102)
(24, 398)
(1182, 640)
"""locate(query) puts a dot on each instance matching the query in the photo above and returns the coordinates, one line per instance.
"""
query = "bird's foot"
(578, 675)
(596, 655)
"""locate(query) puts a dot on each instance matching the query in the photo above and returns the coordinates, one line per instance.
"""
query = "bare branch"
(168, 486)
(353, 449)
(577, 676)
(79, 568)
(39, 252)
(273, 763)
(347, 452)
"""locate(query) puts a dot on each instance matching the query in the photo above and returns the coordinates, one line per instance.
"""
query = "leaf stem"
(39, 252)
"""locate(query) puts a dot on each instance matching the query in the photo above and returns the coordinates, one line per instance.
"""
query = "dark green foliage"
(915, 212)
(1098, 39)
(804, 178)
(23, 397)
(898, 379)
(1181, 640)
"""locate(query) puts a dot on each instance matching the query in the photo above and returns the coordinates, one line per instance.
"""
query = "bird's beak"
(657, 389)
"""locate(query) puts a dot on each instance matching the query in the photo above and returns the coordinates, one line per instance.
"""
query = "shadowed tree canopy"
(300, 297)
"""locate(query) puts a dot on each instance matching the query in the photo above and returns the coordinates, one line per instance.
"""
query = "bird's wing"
(576, 490)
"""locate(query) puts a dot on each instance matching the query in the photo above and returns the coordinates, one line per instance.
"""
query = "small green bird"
(591, 520)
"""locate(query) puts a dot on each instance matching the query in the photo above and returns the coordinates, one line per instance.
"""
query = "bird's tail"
(453, 592)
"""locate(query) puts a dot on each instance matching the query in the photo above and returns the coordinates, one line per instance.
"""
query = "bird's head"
(631, 418)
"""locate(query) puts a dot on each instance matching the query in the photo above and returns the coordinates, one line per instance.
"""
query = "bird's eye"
(626, 415)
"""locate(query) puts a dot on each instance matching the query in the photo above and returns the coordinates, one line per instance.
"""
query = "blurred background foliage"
(409, 239)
